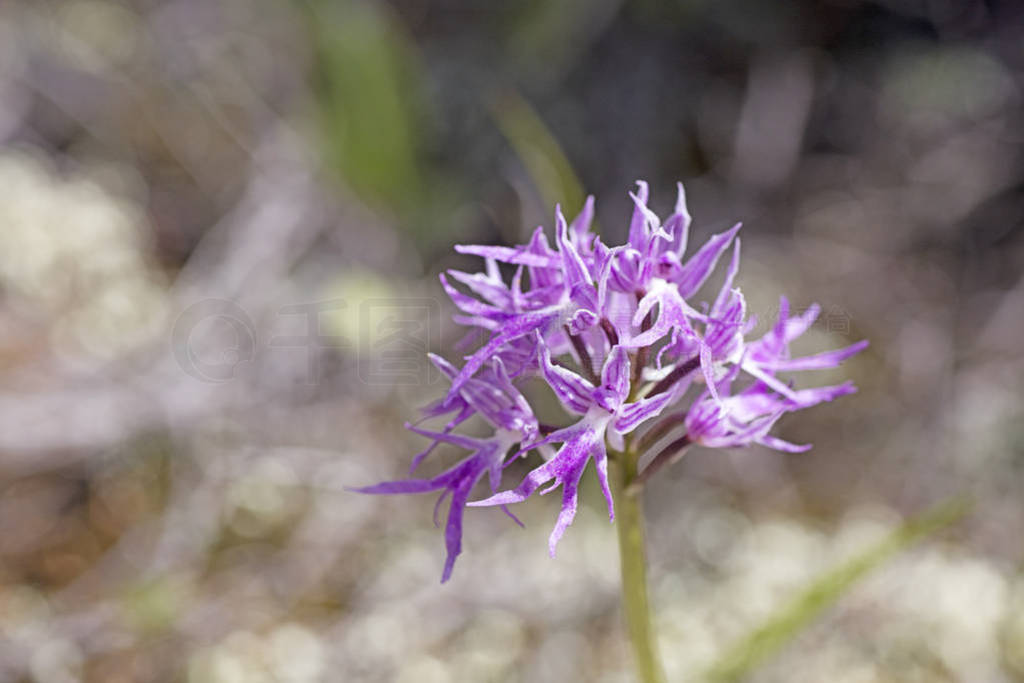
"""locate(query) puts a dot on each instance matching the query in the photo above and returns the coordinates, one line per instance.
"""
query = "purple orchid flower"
(617, 335)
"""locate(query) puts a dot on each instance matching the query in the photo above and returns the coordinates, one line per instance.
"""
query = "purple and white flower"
(617, 336)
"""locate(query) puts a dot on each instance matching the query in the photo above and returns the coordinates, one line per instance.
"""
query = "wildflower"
(614, 333)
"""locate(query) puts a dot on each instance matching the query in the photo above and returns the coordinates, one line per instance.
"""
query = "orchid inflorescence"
(611, 331)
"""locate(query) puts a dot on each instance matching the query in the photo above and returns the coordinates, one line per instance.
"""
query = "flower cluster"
(612, 332)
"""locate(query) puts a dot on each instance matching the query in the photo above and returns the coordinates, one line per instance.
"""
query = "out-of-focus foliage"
(220, 227)
(540, 153)
(742, 658)
(368, 85)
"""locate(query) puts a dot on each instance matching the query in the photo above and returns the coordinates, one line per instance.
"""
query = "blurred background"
(221, 224)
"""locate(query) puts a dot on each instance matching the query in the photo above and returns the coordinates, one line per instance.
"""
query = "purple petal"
(549, 276)
(565, 470)
(584, 295)
(809, 397)
(464, 414)
(651, 226)
(470, 468)
(797, 326)
(466, 442)
(517, 327)
(673, 315)
(468, 303)
(570, 484)
(404, 486)
(757, 429)
(678, 225)
(491, 289)
(724, 334)
(637, 232)
(476, 321)
(573, 391)
(632, 415)
(453, 532)
(776, 338)
(421, 456)
(581, 224)
(575, 269)
(769, 379)
(693, 274)
(457, 482)
(707, 368)
(443, 365)
(514, 255)
(511, 515)
(780, 445)
(756, 401)
(562, 435)
(505, 382)
(533, 480)
(607, 259)
(489, 401)
(730, 275)
(625, 267)
(516, 290)
(581, 321)
(437, 507)
(704, 417)
(819, 361)
(615, 375)
(600, 456)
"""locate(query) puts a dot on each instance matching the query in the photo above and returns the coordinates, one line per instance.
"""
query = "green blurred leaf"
(367, 78)
(787, 623)
(549, 37)
(537, 148)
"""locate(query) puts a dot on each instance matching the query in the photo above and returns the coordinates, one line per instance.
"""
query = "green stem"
(629, 520)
